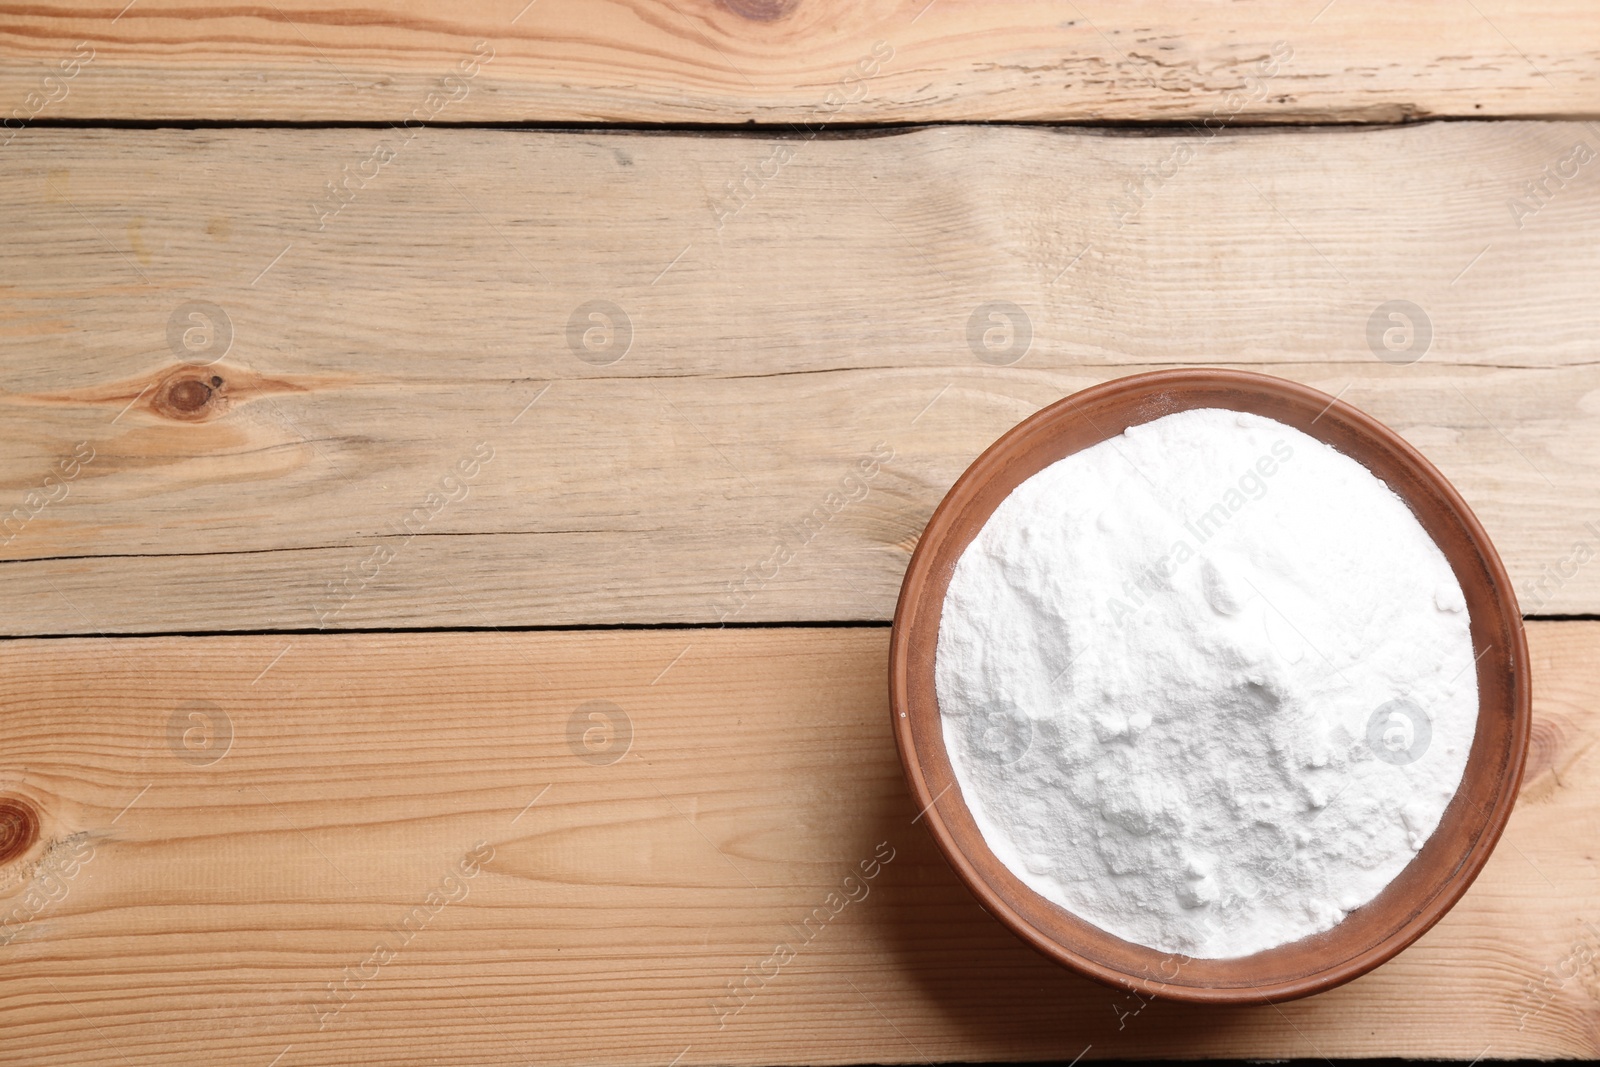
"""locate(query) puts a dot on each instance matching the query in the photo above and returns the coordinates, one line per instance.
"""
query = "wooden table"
(403, 404)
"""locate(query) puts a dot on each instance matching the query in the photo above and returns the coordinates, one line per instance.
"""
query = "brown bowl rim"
(964, 847)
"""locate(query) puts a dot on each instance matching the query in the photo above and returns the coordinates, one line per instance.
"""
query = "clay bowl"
(1436, 877)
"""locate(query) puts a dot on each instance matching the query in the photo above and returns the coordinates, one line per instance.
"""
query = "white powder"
(1208, 685)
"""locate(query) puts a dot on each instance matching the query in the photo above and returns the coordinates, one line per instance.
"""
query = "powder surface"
(1208, 684)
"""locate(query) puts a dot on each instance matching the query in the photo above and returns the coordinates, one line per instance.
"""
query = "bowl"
(1437, 875)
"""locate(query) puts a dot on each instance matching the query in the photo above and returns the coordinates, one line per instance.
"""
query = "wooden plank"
(824, 325)
(213, 878)
(787, 61)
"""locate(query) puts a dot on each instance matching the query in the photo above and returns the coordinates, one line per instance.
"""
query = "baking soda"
(1208, 684)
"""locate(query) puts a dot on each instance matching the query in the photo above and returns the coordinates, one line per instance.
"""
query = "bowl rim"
(955, 843)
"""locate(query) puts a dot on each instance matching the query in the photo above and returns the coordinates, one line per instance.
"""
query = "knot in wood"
(761, 10)
(19, 828)
(188, 397)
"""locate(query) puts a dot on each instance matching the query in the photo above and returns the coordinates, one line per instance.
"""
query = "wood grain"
(210, 905)
(801, 61)
(767, 359)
